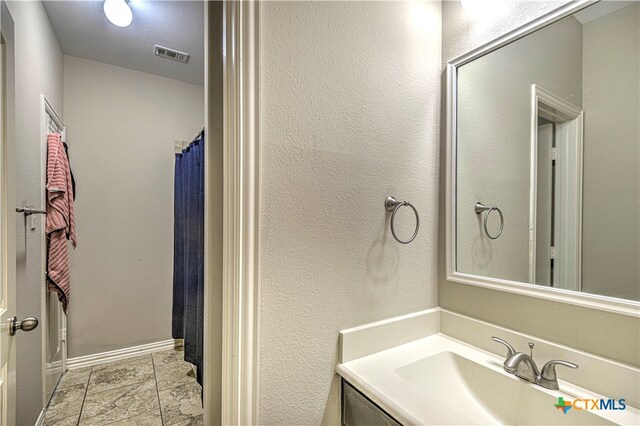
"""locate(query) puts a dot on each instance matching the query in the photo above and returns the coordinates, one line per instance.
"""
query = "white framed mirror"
(543, 159)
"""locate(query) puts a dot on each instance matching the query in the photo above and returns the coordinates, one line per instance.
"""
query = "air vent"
(174, 55)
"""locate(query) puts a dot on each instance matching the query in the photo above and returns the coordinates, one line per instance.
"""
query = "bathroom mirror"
(544, 158)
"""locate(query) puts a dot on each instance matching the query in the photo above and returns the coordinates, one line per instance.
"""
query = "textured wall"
(350, 107)
(611, 223)
(494, 142)
(462, 32)
(38, 61)
(121, 125)
(599, 332)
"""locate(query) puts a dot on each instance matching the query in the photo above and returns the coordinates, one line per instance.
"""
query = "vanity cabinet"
(358, 410)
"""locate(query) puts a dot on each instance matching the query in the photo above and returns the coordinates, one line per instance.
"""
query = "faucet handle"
(549, 370)
(510, 350)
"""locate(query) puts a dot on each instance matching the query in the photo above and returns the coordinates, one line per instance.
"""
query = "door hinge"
(554, 154)
(63, 335)
(552, 252)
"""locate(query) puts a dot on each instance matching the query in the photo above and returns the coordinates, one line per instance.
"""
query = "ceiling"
(83, 30)
(600, 9)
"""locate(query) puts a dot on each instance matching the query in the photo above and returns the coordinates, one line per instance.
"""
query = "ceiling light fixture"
(118, 12)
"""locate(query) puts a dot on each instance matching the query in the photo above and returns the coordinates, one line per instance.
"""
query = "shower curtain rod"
(197, 135)
(181, 144)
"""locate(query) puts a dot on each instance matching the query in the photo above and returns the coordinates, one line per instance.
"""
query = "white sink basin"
(440, 380)
(468, 392)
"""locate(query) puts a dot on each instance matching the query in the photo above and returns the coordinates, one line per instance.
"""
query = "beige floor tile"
(168, 356)
(174, 374)
(151, 418)
(120, 374)
(66, 402)
(125, 392)
(120, 403)
(129, 362)
(193, 421)
(74, 377)
(181, 403)
(55, 419)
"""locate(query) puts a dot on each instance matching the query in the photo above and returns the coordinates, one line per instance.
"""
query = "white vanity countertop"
(375, 376)
(379, 375)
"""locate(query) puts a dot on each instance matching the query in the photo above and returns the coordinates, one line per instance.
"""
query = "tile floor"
(157, 389)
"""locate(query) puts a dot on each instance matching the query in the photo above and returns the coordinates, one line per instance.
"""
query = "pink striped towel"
(60, 222)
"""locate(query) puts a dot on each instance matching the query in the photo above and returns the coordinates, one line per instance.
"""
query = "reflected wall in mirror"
(548, 131)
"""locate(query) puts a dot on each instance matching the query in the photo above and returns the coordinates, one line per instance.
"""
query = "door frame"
(241, 205)
(568, 213)
(8, 220)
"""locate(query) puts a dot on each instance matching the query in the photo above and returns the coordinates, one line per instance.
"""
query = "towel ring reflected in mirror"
(393, 205)
(479, 208)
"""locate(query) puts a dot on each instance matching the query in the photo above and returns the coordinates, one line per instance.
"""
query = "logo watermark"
(590, 404)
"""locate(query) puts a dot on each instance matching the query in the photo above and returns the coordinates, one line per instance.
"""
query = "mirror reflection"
(548, 156)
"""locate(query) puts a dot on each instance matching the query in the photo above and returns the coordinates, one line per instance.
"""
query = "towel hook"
(479, 208)
(393, 205)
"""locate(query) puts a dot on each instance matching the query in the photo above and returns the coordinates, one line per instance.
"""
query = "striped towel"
(60, 222)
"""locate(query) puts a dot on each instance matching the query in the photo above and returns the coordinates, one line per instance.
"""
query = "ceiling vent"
(174, 55)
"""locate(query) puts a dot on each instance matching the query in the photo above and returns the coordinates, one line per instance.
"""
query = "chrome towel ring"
(393, 205)
(488, 209)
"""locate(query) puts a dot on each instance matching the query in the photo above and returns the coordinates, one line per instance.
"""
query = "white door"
(7, 225)
(53, 318)
(544, 206)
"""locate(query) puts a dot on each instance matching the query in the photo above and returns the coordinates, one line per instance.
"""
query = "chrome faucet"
(523, 366)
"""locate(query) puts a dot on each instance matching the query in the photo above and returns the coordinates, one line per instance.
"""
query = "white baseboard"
(40, 419)
(118, 354)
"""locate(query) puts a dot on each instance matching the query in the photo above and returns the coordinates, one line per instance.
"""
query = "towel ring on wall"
(393, 205)
(488, 209)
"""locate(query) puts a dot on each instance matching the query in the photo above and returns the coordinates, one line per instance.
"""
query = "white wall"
(595, 331)
(38, 61)
(611, 223)
(494, 142)
(462, 31)
(121, 125)
(349, 115)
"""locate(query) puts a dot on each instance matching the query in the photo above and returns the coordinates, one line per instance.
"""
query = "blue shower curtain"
(188, 261)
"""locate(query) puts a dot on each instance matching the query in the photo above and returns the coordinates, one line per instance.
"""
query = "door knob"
(26, 324)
